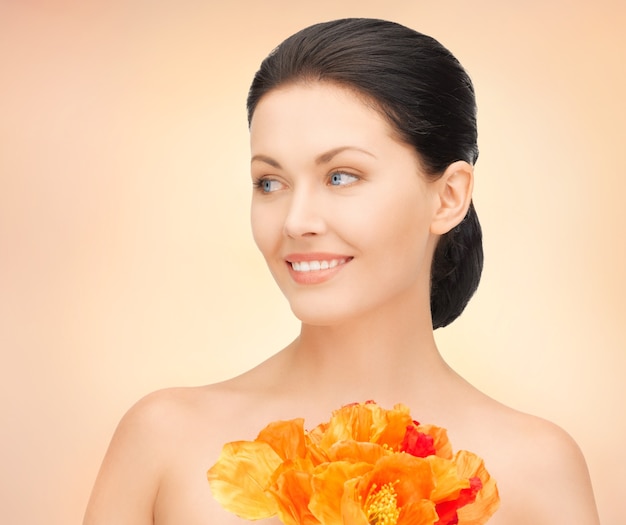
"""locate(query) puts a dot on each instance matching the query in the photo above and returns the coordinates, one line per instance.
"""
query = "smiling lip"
(314, 268)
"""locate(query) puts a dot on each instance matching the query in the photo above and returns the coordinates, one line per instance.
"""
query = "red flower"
(417, 443)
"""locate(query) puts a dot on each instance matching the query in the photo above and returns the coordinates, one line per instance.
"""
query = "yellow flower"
(241, 478)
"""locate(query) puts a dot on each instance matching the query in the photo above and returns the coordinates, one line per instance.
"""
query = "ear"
(454, 192)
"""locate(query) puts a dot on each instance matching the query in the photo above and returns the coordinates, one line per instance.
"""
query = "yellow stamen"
(381, 506)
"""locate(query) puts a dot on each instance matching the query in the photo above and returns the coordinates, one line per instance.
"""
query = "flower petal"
(441, 443)
(350, 422)
(286, 438)
(417, 443)
(469, 465)
(420, 512)
(351, 506)
(329, 485)
(292, 489)
(357, 451)
(389, 426)
(239, 478)
(448, 483)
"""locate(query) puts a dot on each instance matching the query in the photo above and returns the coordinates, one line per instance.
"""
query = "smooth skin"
(333, 180)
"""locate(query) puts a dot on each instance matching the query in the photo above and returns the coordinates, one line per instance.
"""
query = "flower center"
(381, 506)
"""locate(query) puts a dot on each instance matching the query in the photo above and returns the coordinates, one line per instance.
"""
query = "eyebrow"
(324, 158)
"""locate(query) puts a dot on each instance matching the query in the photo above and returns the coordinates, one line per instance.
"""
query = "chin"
(314, 314)
(316, 318)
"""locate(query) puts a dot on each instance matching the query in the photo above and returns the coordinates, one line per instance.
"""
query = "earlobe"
(454, 191)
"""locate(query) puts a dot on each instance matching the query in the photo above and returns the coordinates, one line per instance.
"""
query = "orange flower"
(487, 499)
(364, 422)
(329, 483)
(365, 466)
(396, 490)
(292, 490)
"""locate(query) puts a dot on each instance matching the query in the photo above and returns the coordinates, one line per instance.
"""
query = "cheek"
(258, 232)
(400, 240)
(400, 219)
(265, 227)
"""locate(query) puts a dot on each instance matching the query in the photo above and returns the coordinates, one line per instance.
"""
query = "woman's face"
(341, 210)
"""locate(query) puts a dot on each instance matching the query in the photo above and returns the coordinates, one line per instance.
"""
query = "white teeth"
(312, 266)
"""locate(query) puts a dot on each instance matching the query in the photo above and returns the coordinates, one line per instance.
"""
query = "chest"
(185, 497)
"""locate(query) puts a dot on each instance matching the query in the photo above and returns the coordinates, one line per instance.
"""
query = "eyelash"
(259, 184)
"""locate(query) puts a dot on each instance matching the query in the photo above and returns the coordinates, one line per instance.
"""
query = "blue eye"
(340, 178)
(268, 185)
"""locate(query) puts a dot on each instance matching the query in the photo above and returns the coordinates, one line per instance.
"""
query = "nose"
(305, 215)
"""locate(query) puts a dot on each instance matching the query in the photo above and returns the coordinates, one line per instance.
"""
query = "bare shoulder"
(165, 414)
(128, 480)
(159, 422)
(158, 417)
(540, 470)
(145, 444)
(154, 470)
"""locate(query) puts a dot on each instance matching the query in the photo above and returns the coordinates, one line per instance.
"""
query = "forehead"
(319, 115)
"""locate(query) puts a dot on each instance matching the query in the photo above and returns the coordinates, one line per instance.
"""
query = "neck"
(383, 356)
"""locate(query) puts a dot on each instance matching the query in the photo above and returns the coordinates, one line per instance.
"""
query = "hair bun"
(456, 269)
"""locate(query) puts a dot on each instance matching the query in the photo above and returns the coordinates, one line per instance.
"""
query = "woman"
(363, 142)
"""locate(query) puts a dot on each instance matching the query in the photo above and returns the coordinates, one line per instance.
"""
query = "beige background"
(126, 261)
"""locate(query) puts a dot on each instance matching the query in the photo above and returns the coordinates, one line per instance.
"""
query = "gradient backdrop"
(126, 260)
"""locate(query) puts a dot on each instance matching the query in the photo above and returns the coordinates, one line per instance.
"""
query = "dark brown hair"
(427, 97)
